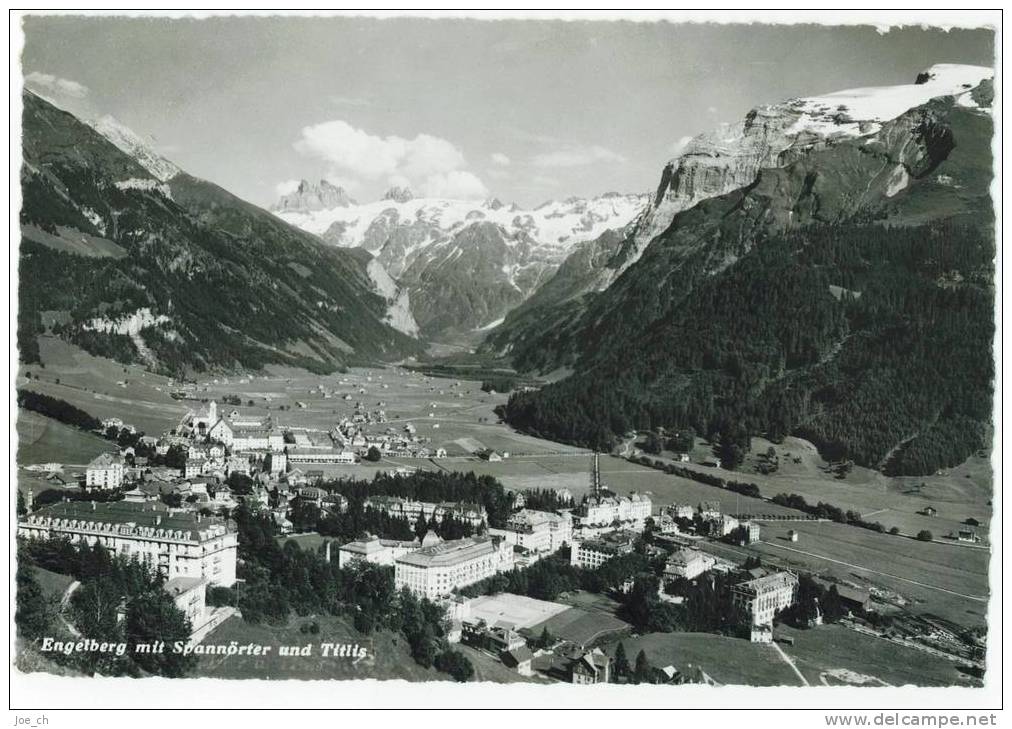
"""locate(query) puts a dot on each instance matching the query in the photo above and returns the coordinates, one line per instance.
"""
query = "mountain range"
(823, 267)
(731, 157)
(462, 266)
(841, 289)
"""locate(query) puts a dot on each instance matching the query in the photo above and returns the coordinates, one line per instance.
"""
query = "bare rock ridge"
(463, 264)
(308, 197)
(726, 320)
(399, 194)
(735, 157)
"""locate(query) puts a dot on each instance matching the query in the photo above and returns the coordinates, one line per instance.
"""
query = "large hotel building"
(173, 543)
(438, 568)
(758, 601)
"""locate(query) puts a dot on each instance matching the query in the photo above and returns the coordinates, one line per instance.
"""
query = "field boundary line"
(876, 572)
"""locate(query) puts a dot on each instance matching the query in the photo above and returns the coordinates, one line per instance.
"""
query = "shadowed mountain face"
(814, 299)
(868, 146)
(172, 270)
(464, 264)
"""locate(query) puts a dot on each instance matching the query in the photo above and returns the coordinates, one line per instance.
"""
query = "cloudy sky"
(523, 110)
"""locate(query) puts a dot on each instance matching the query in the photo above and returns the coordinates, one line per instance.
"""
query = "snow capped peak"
(954, 73)
(132, 144)
(400, 230)
(731, 155)
(855, 112)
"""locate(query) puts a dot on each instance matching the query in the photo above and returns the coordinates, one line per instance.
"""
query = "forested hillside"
(845, 297)
(862, 338)
(179, 274)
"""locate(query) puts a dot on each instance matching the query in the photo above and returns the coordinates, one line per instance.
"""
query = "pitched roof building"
(439, 568)
(172, 542)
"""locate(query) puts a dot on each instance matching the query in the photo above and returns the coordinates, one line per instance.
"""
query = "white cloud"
(56, 85)
(456, 185)
(425, 163)
(577, 157)
(500, 159)
(677, 147)
(286, 188)
(350, 184)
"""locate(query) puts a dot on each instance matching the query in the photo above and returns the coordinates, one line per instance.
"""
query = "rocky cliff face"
(777, 135)
(469, 282)
(813, 300)
(399, 194)
(860, 134)
(432, 246)
(309, 198)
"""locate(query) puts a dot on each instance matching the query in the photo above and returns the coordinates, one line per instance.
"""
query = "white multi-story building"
(758, 601)
(374, 550)
(195, 467)
(277, 463)
(409, 509)
(605, 510)
(537, 531)
(222, 432)
(190, 596)
(309, 455)
(687, 564)
(751, 531)
(174, 543)
(105, 472)
(723, 525)
(252, 439)
(438, 567)
(592, 553)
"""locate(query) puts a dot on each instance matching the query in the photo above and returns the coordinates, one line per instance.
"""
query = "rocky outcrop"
(398, 299)
(309, 198)
(783, 166)
(399, 194)
(776, 135)
(472, 279)
(431, 248)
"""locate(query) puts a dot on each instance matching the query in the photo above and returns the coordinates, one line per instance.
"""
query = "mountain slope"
(136, 260)
(464, 265)
(715, 163)
(814, 300)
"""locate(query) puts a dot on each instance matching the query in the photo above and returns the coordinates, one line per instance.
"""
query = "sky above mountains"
(522, 110)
